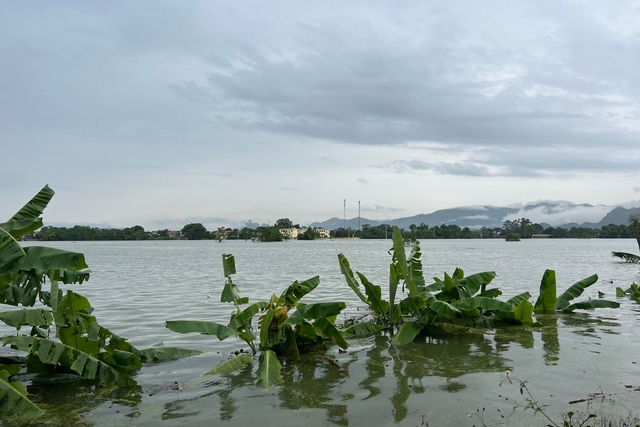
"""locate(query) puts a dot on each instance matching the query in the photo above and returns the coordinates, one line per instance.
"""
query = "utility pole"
(345, 216)
(359, 229)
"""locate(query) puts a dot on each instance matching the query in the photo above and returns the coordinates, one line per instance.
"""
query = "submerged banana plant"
(286, 326)
(80, 345)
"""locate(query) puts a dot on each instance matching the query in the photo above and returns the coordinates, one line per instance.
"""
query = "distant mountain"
(618, 215)
(550, 213)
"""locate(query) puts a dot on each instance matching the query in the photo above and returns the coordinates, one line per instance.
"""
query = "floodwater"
(136, 286)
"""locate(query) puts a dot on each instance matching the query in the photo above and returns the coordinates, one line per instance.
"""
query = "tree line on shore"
(523, 228)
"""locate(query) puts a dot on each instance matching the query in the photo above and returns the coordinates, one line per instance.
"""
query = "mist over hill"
(552, 213)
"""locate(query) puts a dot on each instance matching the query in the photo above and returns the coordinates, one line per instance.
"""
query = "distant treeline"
(196, 231)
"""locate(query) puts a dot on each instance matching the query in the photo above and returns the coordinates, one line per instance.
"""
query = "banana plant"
(633, 292)
(548, 303)
(82, 345)
(286, 326)
(453, 302)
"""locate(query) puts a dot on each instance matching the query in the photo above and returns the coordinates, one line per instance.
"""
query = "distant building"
(293, 233)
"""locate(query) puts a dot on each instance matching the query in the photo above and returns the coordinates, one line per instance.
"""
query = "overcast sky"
(158, 113)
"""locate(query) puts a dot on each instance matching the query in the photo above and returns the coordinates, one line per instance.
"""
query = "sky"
(162, 113)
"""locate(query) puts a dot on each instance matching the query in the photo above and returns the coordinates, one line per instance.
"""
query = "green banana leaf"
(374, 296)
(245, 316)
(475, 282)
(316, 311)
(442, 308)
(400, 257)
(34, 207)
(44, 258)
(54, 353)
(487, 304)
(31, 317)
(620, 292)
(394, 281)
(69, 277)
(10, 253)
(14, 402)
(411, 305)
(546, 302)
(296, 291)
(265, 325)
(121, 360)
(406, 334)
(591, 304)
(228, 366)
(345, 269)
(458, 274)
(524, 312)
(230, 294)
(269, 369)
(228, 265)
(360, 330)
(327, 330)
(517, 299)
(18, 228)
(159, 353)
(207, 328)
(574, 291)
(491, 293)
(415, 266)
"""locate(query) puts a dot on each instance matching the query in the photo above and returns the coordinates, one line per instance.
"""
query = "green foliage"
(512, 237)
(228, 366)
(268, 234)
(285, 325)
(195, 231)
(82, 346)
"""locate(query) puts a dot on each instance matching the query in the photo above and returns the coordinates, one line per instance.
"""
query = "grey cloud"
(636, 189)
(289, 189)
(363, 181)
(380, 208)
(413, 166)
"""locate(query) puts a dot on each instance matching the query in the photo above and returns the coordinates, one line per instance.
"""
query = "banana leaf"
(228, 265)
(14, 402)
(517, 299)
(265, 325)
(487, 304)
(230, 294)
(18, 228)
(406, 334)
(54, 353)
(620, 292)
(228, 366)
(327, 330)
(411, 305)
(442, 308)
(269, 369)
(415, 266)
(69, 277)
(31, 317)
(394, 281)
(34, 207)
(374, 296)
(10, 253)
(316, 311)
(631, 258)
(524, 312)
(360, 330)
(591, 304)
(475, 282)
(121, 360)
(345, 269)
(159, 353)
(207, 328)
(491, 293)
(245, 316)
(44, 258)
(458, 274)
(574, 291)
(400, 257)
(546, 301)
(296, 291)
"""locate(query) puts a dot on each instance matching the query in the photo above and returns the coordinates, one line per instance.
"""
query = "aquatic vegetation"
(286, 326)
(454, 302)
(632, 292)
(80, 345)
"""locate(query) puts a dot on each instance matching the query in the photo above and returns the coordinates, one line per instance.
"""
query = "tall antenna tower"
(345, 214)
(359, 229)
